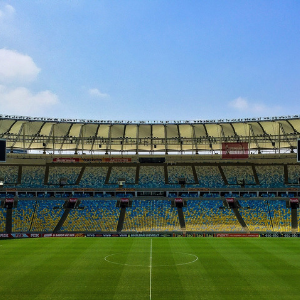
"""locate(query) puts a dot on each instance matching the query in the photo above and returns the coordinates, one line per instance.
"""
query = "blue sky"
(149, 60)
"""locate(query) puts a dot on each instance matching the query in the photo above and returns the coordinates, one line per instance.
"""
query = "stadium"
(141, 202)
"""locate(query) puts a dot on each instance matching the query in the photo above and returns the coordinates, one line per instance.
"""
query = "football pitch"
(150, 268)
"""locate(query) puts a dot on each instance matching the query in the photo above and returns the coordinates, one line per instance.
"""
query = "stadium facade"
(65, 176)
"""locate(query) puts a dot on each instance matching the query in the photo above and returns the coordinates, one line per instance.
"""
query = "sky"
(150, 59)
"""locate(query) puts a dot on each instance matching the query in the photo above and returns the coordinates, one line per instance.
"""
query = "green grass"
(75, 268)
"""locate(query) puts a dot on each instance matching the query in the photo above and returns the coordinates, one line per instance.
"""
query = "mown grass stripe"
(74, 268)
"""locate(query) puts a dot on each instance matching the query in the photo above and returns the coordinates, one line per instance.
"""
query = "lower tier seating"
(150, 215)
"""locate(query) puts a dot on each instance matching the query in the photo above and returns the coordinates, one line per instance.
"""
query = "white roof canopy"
(30, 133)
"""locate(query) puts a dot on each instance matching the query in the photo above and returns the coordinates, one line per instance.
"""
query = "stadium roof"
(52, 134)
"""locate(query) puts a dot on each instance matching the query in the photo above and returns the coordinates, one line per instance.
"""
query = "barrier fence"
(187, 234)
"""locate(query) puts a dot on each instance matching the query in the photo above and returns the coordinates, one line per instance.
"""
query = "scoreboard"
(2, 150)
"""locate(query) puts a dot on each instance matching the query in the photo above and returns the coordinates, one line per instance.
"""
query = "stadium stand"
(293, 174)
(68, 175)
(151, 177)
(9, 174)
(256, 215)
(177, 172)
(234, 174)
(94, 177)
(46, 216)
(210, 216)
(151, 215)
(270, 176)
(128, 173)
(32, 176)
(280, 216)
(2, 219)
(191, 166)
(23, 216)
(96, 215)
(209, 176)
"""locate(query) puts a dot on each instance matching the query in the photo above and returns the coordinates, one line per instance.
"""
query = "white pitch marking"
(150, 268)
(150, 265)
(187, 263)
(116, 263)
(106, 258)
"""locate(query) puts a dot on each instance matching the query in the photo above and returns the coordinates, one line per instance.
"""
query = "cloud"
(97, 93)
(16, 67)
(239, 104)
(6, 12)
(9, 32)
(21, 101)
(251, 108)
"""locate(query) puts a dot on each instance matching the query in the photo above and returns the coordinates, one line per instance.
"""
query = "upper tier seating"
(294, 174)
(234, 173)
(9, 174)
(176, 172)
(128, 173)
(270, 176)
(33, 176)
(93, 177)
(70, 174)
(209, 176)
(151, 176)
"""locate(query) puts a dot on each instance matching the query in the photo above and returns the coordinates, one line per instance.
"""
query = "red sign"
(294, 200)
(66, 160)
(124, 200)
(231, 200)
(5, 235)
(73, 200)
(9, 200)
(235, 150)
(178, 200)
